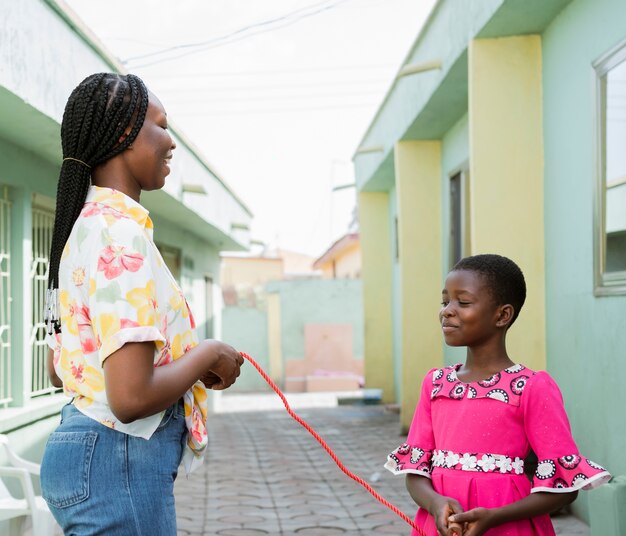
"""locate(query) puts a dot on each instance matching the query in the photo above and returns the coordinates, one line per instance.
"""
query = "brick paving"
(266, 475)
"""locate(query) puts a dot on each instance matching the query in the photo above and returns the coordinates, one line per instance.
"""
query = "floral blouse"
(115, 288)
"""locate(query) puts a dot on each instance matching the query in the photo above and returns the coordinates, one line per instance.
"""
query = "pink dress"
(471, 440)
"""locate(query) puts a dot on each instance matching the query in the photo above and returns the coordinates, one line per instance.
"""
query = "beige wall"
(506, 173)
(418, 191)
(347, 264)
(250, 272)
(377, 292)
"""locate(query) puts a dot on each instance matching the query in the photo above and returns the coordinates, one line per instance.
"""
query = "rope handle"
(325, 446)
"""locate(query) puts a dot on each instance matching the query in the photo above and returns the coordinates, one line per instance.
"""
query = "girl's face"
(469, 316)
(151, 152)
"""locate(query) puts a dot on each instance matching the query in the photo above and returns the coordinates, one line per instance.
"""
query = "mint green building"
(505, 131)
(44, 53)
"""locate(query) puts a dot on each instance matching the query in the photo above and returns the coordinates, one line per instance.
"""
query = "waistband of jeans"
(483, 462)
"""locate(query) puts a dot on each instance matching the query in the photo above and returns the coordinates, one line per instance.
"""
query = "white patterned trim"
(586, 485)
(392, 466)
(472, 461)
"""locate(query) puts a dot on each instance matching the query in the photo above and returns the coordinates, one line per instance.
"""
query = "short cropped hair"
(503, 278)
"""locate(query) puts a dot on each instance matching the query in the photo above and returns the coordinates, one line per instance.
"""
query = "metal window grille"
(5, 298)
(43, 223)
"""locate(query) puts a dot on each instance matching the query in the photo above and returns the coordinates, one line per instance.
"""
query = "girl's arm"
(52, 374)
(481, 519)
(440, 507)
(136, 389)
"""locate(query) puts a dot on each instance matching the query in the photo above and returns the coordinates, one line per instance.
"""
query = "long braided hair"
(102, 117)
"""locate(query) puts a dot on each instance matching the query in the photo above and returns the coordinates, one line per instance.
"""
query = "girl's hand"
(476, 521)
(454, 529)
(442, 511)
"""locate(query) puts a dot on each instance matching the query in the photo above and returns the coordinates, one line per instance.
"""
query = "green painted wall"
(323, 301)
(586, 339)
(24, 169)
(245, 329)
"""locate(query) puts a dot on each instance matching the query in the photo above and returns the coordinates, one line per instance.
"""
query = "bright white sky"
(277, 97)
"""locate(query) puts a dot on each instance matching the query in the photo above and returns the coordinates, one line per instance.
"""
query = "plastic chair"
(12, 509)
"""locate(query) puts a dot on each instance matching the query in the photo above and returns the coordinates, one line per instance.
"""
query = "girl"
(124, 346)
(475, 423)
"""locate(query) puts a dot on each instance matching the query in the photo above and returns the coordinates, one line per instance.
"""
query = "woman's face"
(151, 152)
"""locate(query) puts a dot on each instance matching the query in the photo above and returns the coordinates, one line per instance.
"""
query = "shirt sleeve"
(414, 456)
(123, 300)
(561, 468)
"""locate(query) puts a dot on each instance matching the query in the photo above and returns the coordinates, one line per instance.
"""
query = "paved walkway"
(266, 475)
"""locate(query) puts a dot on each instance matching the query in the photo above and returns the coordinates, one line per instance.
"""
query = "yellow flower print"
(177, 301)
(199, 392)
(92, 286)
(78, 276)
(108, 423)
(115, 200)
(107, 325)
(68, 312)
(78, 376)
(144, 300)
(182, 343)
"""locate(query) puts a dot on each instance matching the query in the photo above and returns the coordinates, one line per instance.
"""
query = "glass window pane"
(615, 169)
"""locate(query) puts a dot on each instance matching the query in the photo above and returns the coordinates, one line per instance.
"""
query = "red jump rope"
(341, 466)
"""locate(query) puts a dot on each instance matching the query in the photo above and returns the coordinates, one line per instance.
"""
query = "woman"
(122, 334)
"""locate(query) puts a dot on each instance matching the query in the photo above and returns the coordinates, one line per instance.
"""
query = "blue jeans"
(98, 481)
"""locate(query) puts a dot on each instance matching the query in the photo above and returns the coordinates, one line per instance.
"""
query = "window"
(208, 290)
(42, 225)
(610, 209)
(459, 217)
(5, 297)
(172, 257)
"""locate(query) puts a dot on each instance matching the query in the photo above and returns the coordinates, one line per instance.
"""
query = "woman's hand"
(475, 522)
(441, 510)
(225, 363)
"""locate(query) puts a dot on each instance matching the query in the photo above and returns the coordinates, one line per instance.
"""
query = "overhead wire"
(275, 71)
(262, 87)
(232, 36)
(197, 113)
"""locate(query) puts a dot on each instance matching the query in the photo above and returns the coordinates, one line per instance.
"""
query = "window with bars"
(5, 297)
(42, 225)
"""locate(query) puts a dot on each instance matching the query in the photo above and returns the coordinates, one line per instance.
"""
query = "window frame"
(464, 217)
(605, 283)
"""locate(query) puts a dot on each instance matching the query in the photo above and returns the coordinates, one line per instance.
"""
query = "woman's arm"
(481, 519)
(136, 389)
(440, 507)
(52, 374)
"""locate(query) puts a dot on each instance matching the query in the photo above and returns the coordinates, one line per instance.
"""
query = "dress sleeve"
(414, 456)
(123, 303)
(561, 468)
